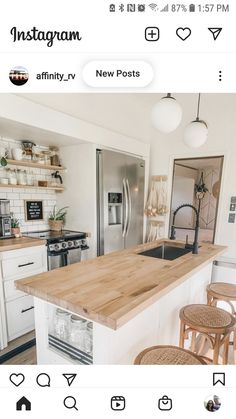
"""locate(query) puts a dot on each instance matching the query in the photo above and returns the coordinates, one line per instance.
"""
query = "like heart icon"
(183, 33)
(17, 379)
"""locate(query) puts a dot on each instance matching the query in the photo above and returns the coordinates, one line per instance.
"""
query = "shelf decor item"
(157, 199)
(57, 218)
(15, 226)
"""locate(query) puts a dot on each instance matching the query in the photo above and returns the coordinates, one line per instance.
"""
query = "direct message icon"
(165, 403)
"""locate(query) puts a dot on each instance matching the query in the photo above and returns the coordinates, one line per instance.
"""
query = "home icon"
(23, 404)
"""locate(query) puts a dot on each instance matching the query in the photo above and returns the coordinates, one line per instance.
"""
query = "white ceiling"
(15, 130)
(129, 113)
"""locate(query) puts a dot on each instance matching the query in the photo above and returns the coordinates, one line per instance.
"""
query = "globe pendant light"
(166, 114)
(196, 132)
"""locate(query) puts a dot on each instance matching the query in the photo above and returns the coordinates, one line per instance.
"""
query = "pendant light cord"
(198, 106)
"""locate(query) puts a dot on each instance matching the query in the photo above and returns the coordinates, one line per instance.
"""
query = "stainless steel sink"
(166, 252)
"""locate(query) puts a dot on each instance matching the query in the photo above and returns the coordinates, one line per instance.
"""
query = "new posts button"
(117, 74)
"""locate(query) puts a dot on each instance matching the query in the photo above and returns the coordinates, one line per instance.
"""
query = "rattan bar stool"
(167, 355)
(222, 291)
(212, 323)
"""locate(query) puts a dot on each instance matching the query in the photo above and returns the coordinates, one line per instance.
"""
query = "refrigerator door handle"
(125, 209)
(129, 206)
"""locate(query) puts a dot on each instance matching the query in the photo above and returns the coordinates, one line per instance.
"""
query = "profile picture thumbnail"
(212, 403)
(19, 75)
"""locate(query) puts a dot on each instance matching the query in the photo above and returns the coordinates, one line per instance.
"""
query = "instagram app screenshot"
(117, 209)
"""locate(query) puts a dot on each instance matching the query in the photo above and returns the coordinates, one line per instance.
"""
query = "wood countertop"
(19, 243)
(114, 288)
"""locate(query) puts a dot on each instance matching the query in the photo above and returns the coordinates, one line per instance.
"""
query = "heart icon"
(17, 379)
(183, 33)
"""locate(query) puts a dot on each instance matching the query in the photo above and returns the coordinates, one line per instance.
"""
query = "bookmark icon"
(70, 378)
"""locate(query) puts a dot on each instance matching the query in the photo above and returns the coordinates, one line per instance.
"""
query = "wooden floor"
(27, 357)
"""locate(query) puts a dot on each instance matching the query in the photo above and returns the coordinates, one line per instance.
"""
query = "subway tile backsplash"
(17, 196)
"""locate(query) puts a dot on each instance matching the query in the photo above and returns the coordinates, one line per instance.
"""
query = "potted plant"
(200, 188)
(15, 226)
(57, 218)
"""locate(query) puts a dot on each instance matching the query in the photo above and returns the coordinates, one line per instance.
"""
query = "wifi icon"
(153, 7)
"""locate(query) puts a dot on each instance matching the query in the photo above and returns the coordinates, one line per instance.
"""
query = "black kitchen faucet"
(194, 246)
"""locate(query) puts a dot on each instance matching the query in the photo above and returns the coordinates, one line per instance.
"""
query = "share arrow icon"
(215, 32)
(70, 378)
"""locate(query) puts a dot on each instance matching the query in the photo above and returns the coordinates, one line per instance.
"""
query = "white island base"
(157, 324)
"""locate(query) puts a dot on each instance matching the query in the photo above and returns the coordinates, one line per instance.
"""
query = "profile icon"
(212, 403)
(19, 75)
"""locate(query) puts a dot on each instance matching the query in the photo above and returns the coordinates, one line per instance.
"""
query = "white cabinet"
(19, 310)
(20, 316)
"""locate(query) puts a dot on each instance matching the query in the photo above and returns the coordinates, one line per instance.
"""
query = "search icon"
(70, 402)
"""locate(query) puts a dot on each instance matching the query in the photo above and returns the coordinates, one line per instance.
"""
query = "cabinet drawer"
(20, 316)
(10, 291)
(22, 266)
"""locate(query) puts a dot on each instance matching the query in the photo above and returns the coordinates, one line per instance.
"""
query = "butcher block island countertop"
(114, 288)
(19, 243)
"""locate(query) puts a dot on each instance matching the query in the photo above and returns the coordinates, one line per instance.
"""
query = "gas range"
(58, 241)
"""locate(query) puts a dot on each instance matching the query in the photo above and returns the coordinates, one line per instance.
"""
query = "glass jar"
(88, 340)
(30, 178)
(21, 178)
(61, 329)
(12, 177)
(77, 332)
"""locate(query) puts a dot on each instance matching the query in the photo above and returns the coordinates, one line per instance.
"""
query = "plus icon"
(152, 33)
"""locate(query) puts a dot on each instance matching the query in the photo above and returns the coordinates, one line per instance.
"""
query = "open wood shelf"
(53, 188)
(32, 164)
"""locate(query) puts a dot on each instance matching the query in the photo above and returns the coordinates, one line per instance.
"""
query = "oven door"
(74, 256)
(57, 260)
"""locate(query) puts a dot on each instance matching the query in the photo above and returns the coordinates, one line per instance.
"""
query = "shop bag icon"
(165, 403)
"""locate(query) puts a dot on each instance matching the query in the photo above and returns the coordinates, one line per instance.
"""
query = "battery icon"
(192, 7)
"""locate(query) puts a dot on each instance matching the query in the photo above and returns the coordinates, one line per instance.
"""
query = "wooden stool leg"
(193, 342)
(216, 349)
(226, 350)
(181, 334)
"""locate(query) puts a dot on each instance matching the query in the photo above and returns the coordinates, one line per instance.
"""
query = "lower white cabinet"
(20, 316)
(17, 316)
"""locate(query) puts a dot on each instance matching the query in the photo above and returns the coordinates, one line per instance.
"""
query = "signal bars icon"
(165, 9)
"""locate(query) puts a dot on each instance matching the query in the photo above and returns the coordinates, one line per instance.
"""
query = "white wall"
(219, 112)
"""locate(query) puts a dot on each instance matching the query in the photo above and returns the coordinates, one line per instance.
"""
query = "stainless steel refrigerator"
(120, 201)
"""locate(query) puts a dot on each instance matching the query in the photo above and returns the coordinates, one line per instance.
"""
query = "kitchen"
(88, 129)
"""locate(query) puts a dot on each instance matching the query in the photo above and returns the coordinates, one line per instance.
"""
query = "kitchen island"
(130, 300)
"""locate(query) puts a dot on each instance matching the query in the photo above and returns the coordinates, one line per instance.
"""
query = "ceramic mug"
(17, 153)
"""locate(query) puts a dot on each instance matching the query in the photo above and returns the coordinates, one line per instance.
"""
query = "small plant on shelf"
(57, 218)
(15, 226)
